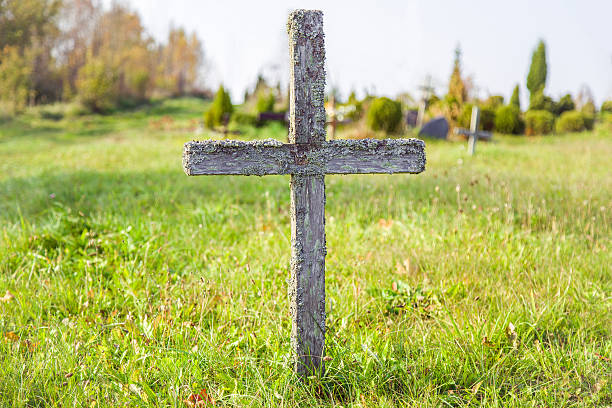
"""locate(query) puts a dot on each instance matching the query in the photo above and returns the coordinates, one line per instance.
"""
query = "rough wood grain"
(307, 77)
(474, 130)
(307, 282)
(308, 157)
(264, 157)
(307, 128)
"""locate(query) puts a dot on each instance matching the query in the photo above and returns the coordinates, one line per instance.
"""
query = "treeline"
(64, 50)
(543, 114)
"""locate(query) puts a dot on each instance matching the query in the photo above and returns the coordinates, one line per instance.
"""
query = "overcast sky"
(391, 46)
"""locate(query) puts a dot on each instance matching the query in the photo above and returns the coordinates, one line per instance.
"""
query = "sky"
(388, 47)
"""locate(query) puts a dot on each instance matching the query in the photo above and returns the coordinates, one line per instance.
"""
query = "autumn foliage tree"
(27, 66)
(64, 49)
(180, 60)
(456, 86)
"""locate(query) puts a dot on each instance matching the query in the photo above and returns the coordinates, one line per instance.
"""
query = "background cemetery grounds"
(484, 281)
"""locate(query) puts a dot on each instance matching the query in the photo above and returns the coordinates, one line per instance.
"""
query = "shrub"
(245, 119)
(508, 120)
(384, 114)
(494, 102)
(539, 101)
(487, 119)
(220, 109)
(570, 121)
(589, 121)
(565, 104)
(606, 107)
(589, 111)
(265, 102)
(538, 122)
(97, 85)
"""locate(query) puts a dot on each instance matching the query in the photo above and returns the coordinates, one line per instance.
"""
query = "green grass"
(130, 283)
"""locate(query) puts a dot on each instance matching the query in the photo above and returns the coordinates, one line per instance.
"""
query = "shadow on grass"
(131, 193)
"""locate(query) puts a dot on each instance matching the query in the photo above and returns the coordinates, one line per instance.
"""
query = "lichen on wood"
(307, 158)
(264, 157)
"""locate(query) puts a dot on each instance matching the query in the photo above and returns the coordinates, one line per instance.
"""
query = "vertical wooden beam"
(307, 127)
(473, 130)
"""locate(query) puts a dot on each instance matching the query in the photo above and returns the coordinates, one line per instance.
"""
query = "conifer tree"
(515, 100)
(220, 109)
(456, 85)
(536, 79)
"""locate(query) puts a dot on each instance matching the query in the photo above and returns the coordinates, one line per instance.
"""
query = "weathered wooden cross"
(474, 134)
(307, 158)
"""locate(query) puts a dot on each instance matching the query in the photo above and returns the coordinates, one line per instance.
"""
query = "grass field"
(485, 281)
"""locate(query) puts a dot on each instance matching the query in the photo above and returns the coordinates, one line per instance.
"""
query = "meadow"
(484, 281)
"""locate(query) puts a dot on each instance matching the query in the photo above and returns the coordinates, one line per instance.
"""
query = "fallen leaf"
(487, 342)
(11, 336)
(385, 223)
(604, 358)
(202, 399)
(8, 296)
(29, 345)
(327, 358)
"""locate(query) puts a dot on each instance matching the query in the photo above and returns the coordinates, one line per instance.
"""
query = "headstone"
(273, 117)
(412, 117)
(436, 128)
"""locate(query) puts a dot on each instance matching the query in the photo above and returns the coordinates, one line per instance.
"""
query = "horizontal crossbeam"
(481, 134)
(266, 157)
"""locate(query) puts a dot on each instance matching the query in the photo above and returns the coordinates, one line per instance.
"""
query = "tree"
(28, 28)
(181, 59)
(97, 85)
(384, 114)
(220, 109)
(539, 101)
(515, 99)
(565, 104)
(536, 79)
(15, 72)
(456, 85)
(78, 19)
(22, 20)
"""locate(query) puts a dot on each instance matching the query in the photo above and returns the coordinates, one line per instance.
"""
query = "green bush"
(589, 111)
(508, 120)
(384, 114)
(565, 104)
(494, 102)
(487, 119)
(220, 109)
(589, 121)
(606, 107)
(244, 119)
(539, 101)
(570, 121)
(97, 85)
(538, 122)
(265, 102)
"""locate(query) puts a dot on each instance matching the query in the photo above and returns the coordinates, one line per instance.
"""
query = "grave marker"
(474, 134)
(307, 158)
